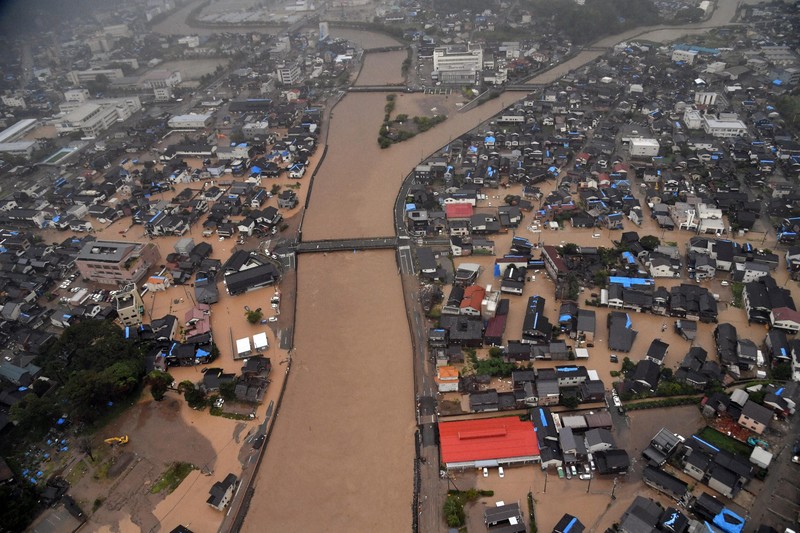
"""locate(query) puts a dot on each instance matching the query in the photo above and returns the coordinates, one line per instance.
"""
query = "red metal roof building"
(458, 211)
(487, 442)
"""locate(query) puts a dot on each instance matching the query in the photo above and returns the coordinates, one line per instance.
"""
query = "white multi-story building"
(289, 73)
(191, 41)
(124, 107)
(189, 122)
(13, 100)
(457, 64)
(90, 119)
(22, 149)
(693, 119)
(162, 94)
(643, 147)
(705, 98)
(79, 77)
(161, 78)
(724, 125)
(76, 95)
(687, 56)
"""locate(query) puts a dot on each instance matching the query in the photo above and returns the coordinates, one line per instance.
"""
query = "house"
(569, 524)
(785, 319)
(536, 328)
(221, 492)
(645, 376)
(447, 378)
(755, 417)
(657, 352)
(585, 326)
(599, 440)
(612, 462)
(662, 446)
(664, 482)
(505, 518)
(620, 333)
(640, 517)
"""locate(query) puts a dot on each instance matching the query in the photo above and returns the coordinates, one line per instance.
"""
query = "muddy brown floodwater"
(341, 456)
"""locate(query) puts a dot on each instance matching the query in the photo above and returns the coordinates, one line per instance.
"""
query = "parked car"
(585, 476)
(273, 319)
(501, 471)
(485, 472)
(574, 470)
(614, 358)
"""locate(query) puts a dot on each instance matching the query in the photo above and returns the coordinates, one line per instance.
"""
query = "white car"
(501, 471)
(275, 305)
(485, 472)
(273, 319)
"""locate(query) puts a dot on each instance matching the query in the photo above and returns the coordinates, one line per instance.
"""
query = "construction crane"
(117, 440)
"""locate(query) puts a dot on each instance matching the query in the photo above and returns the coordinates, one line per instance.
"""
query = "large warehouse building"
(489, 442)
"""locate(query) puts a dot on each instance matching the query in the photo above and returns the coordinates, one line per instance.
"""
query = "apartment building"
(114, 262)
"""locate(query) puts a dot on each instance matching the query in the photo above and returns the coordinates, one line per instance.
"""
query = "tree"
(627, 365)
(85, 445)
(570, 249)
(649, 242)
(570, 402)
(495, 351)
(195, 397)
(159, 383)
(227, 390)
(453, 511)
(254, 317)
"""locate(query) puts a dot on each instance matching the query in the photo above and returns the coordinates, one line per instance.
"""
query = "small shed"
(243, 348)
(260, 342)
(760, 457)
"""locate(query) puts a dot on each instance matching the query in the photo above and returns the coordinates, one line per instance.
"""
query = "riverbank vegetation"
(402, 127)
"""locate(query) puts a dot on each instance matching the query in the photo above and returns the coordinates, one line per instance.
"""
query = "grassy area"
(737, 289)
(171, 478)
(723, 442)
(77, 472)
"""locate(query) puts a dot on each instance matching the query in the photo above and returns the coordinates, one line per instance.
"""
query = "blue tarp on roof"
(544, 418)
(729, 522)
(489, 139)
(629, 282)
(571, 523)
(411, 207)
(564, 318)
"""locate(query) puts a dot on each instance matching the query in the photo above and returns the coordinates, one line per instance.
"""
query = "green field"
(724, 442)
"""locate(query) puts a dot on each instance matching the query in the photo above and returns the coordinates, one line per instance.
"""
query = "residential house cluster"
(566, 442)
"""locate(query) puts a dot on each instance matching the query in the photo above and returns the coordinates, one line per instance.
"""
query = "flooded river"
(341, 455)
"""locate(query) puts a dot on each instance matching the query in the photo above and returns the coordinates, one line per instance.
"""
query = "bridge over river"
(343, 245)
